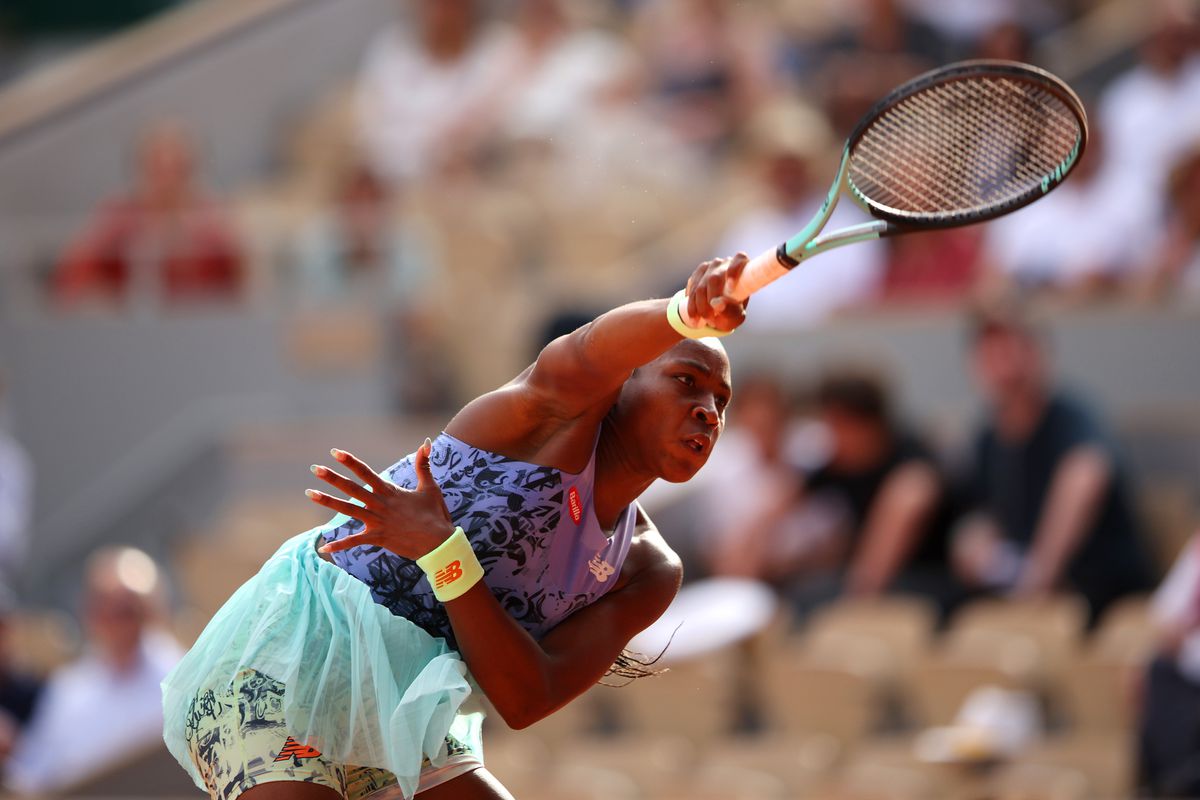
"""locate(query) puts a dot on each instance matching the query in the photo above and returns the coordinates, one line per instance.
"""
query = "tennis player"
(508, 557)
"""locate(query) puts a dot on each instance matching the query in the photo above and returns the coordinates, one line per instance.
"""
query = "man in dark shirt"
(891, 492)
(1051, 508)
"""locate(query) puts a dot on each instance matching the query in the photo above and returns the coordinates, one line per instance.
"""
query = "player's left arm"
(525, 679)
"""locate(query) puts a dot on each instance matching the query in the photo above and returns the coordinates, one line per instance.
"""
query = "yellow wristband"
(452, 567)
(681, 327)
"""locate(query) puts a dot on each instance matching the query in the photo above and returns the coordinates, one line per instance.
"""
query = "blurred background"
(945, 549)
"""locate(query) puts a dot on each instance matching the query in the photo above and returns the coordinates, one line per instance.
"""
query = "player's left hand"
(407, 522)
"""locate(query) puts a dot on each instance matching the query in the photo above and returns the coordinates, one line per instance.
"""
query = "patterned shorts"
(238, 739)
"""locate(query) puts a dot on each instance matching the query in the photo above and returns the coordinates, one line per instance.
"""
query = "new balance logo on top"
(601, 569)
(447, 575)
(293, 749)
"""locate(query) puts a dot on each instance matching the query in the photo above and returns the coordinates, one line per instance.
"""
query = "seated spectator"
(932, 267)
(709, 62)
(16, 501)
(360, 248)
(18, 691)
(896, 506)
(878, 46)
(558, 76)
(1169, 728)
(107, 705)
(1081, 239)
(1050, 505)
(1174, 268)
(789, 144)
(1164, 85)
(164, 242)
(417, 93)
(747, 525)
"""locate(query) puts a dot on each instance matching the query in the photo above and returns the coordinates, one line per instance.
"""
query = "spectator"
(1081, 239)
(1051, 509)
(18, 691)
(877, 48)
(558, 77)
(895, 502)
(1169, 729)
(417, 94)
(107, 705)
(710, 64)
(789, 144)
(359, 247)
(1165, 85)
(1174, 270)
(748, 523)
(16, 501)
(166, 241)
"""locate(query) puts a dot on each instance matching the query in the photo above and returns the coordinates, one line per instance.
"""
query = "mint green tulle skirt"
(363, 686)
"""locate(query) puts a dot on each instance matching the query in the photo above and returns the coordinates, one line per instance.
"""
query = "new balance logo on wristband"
(448, 575)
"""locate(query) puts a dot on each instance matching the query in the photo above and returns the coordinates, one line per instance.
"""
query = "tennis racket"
(960, 144)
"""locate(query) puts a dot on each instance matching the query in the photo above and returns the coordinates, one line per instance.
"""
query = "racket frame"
(808, 242)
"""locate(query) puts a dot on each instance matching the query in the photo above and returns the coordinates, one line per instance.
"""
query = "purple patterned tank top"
(533, 529)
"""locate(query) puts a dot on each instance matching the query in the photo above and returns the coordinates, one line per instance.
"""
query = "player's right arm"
(577, 375)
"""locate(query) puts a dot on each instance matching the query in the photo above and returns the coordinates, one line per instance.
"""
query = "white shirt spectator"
(90, 717)
(1177, 603)
(1149, 120)
(548, 96)
(1076, 232)
(16, 504)
(834, 280)
(409, 103)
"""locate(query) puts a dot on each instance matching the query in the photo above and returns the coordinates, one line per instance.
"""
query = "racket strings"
(963, 147)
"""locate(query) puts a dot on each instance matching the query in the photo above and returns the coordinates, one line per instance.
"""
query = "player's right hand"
(707, 303)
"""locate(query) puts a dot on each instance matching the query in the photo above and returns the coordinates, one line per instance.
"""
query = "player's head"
(1007, 353)
(671, 411)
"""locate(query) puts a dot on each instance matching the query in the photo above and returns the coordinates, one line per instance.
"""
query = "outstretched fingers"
(342, 483)
(354, 510)
(359, 468)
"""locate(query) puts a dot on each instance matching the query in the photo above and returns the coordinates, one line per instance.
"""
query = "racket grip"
(762, 269)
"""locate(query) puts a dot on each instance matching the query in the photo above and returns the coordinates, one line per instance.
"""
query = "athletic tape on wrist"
(452, 567)
(681, 327)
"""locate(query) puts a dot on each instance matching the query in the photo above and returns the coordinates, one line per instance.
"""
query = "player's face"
(671, 412)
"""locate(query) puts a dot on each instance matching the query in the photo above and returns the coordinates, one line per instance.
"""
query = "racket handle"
(763, 269)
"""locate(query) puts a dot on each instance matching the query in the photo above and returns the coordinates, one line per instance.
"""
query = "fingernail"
(310, 493)
(315, 469)
(325, 548)
(428, 443)
(336, 453)
(718, 303)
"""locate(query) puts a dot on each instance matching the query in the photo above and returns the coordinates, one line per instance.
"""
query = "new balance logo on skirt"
(293, 749)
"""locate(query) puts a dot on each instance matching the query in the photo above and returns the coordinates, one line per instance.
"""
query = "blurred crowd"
(612, 144)
(569, 155)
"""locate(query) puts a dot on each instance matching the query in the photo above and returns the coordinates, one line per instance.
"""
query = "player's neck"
(618, 481)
